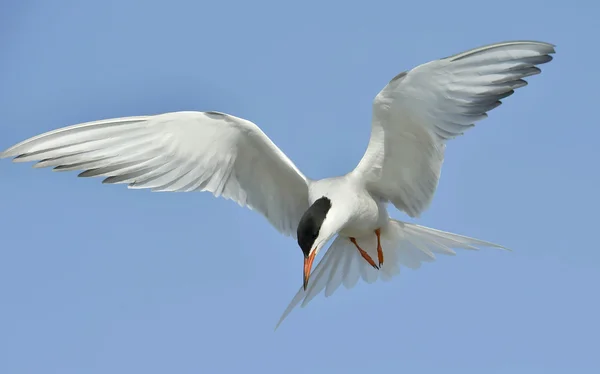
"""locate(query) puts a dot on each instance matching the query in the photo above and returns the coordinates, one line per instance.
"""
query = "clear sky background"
(99, 279)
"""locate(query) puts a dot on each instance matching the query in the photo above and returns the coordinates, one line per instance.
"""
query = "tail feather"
(404, 244)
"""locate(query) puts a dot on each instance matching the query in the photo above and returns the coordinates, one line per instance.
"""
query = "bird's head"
(316, 227)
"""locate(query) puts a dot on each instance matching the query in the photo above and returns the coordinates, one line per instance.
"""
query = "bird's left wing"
(180, 151)
(420, 110)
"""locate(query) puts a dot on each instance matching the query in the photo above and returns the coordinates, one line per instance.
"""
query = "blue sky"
(101, 279)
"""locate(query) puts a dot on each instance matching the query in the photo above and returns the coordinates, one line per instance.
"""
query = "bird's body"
(414, 117)
(362, 214)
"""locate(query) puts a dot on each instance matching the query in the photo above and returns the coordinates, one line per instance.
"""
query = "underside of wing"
(180, 152)
(420, 110)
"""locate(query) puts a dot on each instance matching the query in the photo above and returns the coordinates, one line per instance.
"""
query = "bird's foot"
(379, 249)
(364, 254)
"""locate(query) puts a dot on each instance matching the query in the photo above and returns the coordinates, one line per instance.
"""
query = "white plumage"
(413, 118)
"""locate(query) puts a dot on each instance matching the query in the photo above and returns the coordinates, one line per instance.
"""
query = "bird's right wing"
(420, 110)
(404, 244)
(180, 151)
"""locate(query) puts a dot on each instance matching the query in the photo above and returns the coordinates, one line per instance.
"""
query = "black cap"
(310, 224)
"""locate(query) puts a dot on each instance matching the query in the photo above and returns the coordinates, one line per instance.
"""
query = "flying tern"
(413, 118)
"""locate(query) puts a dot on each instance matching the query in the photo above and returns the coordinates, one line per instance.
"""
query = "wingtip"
(280, 321)
(497, 246)
(540, 42)
(12, 152)
(551, 45)
(547, 44)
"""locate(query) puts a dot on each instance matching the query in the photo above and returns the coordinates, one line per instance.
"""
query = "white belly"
(364, 214)
(370, 217)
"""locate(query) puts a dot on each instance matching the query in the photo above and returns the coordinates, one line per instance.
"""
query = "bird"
(414, 117)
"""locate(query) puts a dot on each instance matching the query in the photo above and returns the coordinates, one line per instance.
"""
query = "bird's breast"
(368, 215)
(364, 214)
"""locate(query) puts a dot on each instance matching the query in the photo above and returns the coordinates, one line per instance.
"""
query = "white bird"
(414, 116)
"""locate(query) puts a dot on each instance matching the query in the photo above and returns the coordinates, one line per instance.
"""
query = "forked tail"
(403, 244)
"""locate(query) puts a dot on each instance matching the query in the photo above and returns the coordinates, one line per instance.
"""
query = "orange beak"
(308, 261)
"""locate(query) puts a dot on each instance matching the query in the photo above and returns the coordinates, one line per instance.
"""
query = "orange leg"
(364, 254)
(379, 249)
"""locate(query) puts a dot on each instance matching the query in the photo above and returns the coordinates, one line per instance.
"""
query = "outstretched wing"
(419, 110)
(181, 151)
